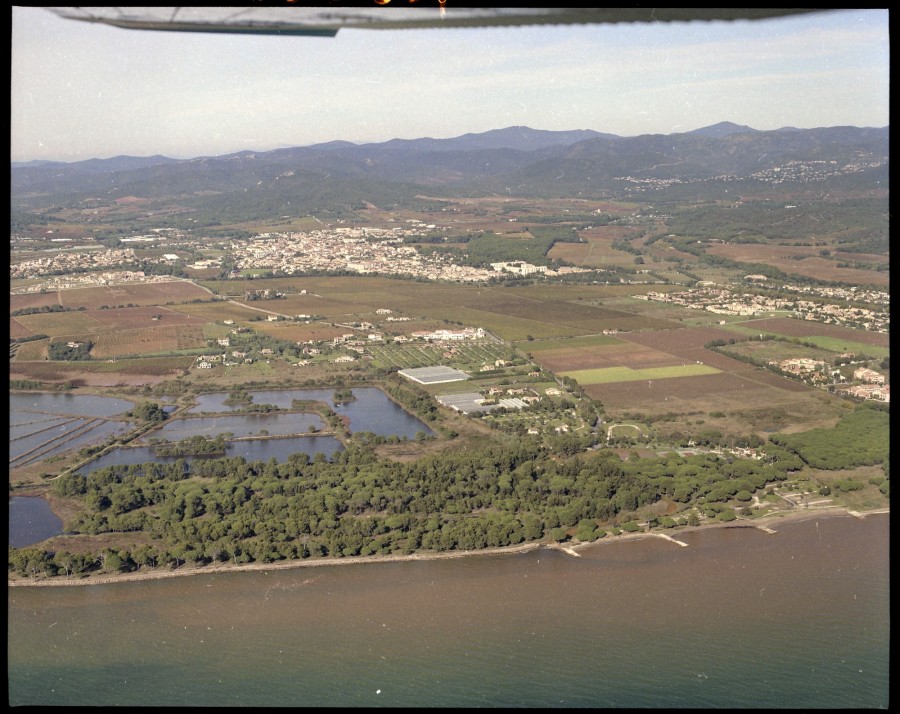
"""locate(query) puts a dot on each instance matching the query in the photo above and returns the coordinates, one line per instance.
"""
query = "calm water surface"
(251, 449)
(30, 521)
(22, 403)
(44, 424)
(239, 425)
(38, 430)
(372, 410)
(738, 619)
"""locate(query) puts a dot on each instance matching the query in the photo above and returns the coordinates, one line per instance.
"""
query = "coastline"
(762, 523)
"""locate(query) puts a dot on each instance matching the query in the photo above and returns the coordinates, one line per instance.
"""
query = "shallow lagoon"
(250, 449)
(46, 424)
(31, 521)
(371, 411)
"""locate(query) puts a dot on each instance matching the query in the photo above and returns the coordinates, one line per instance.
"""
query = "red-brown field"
(131, 372)
(147, 340)
(59, 323)
(874, 258)
(217, 311)
(126, 318)
(18, 302)
(17, 330)
(683, 344)
(330, 306)
(299, 332)
(619, 354)
(31, 350)
(638, 350)
(716, 392)
(134, 294)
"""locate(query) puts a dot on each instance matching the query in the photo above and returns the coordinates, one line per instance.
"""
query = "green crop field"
(612, 375)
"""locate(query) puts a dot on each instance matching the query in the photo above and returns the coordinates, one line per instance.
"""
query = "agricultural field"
(589, 343)
(127, 318)
(816, 331)
(657, 310)
(32, 350)
(596, 352)
(597, 250)
(217, 310)
(56, 324)
(636, 350)
(89, 322)
(26, 300)
(463, 355)
(766, 351)
(669, 372)
(124, 372)
(736, 403)
(800, 260)
(509, 313)
(149, 340)
(298, 331)
(615, 375)
(331, 307)
(17, 330)
(132, 294)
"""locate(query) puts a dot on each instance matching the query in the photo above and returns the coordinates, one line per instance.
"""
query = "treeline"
(43, 309)
(229, 509)
(419, 402)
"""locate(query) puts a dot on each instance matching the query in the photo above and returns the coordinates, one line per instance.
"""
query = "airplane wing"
(326, 21)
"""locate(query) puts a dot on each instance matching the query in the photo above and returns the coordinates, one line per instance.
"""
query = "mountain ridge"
(515, 161)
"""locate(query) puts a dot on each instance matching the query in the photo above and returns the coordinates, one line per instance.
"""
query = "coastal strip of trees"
(358, 504)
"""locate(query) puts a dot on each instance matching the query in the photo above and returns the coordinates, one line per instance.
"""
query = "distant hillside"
(515, 161)
(520, 138)
(725, 128)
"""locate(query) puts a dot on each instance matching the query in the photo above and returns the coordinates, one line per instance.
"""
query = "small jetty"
(670, 538)
(765, 529)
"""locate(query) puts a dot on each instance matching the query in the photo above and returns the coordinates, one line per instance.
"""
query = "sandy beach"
(766, 523)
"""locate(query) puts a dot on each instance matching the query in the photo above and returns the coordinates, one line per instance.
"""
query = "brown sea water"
(739, 618)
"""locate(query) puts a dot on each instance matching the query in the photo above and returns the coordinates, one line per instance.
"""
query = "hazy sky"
(82, 90)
